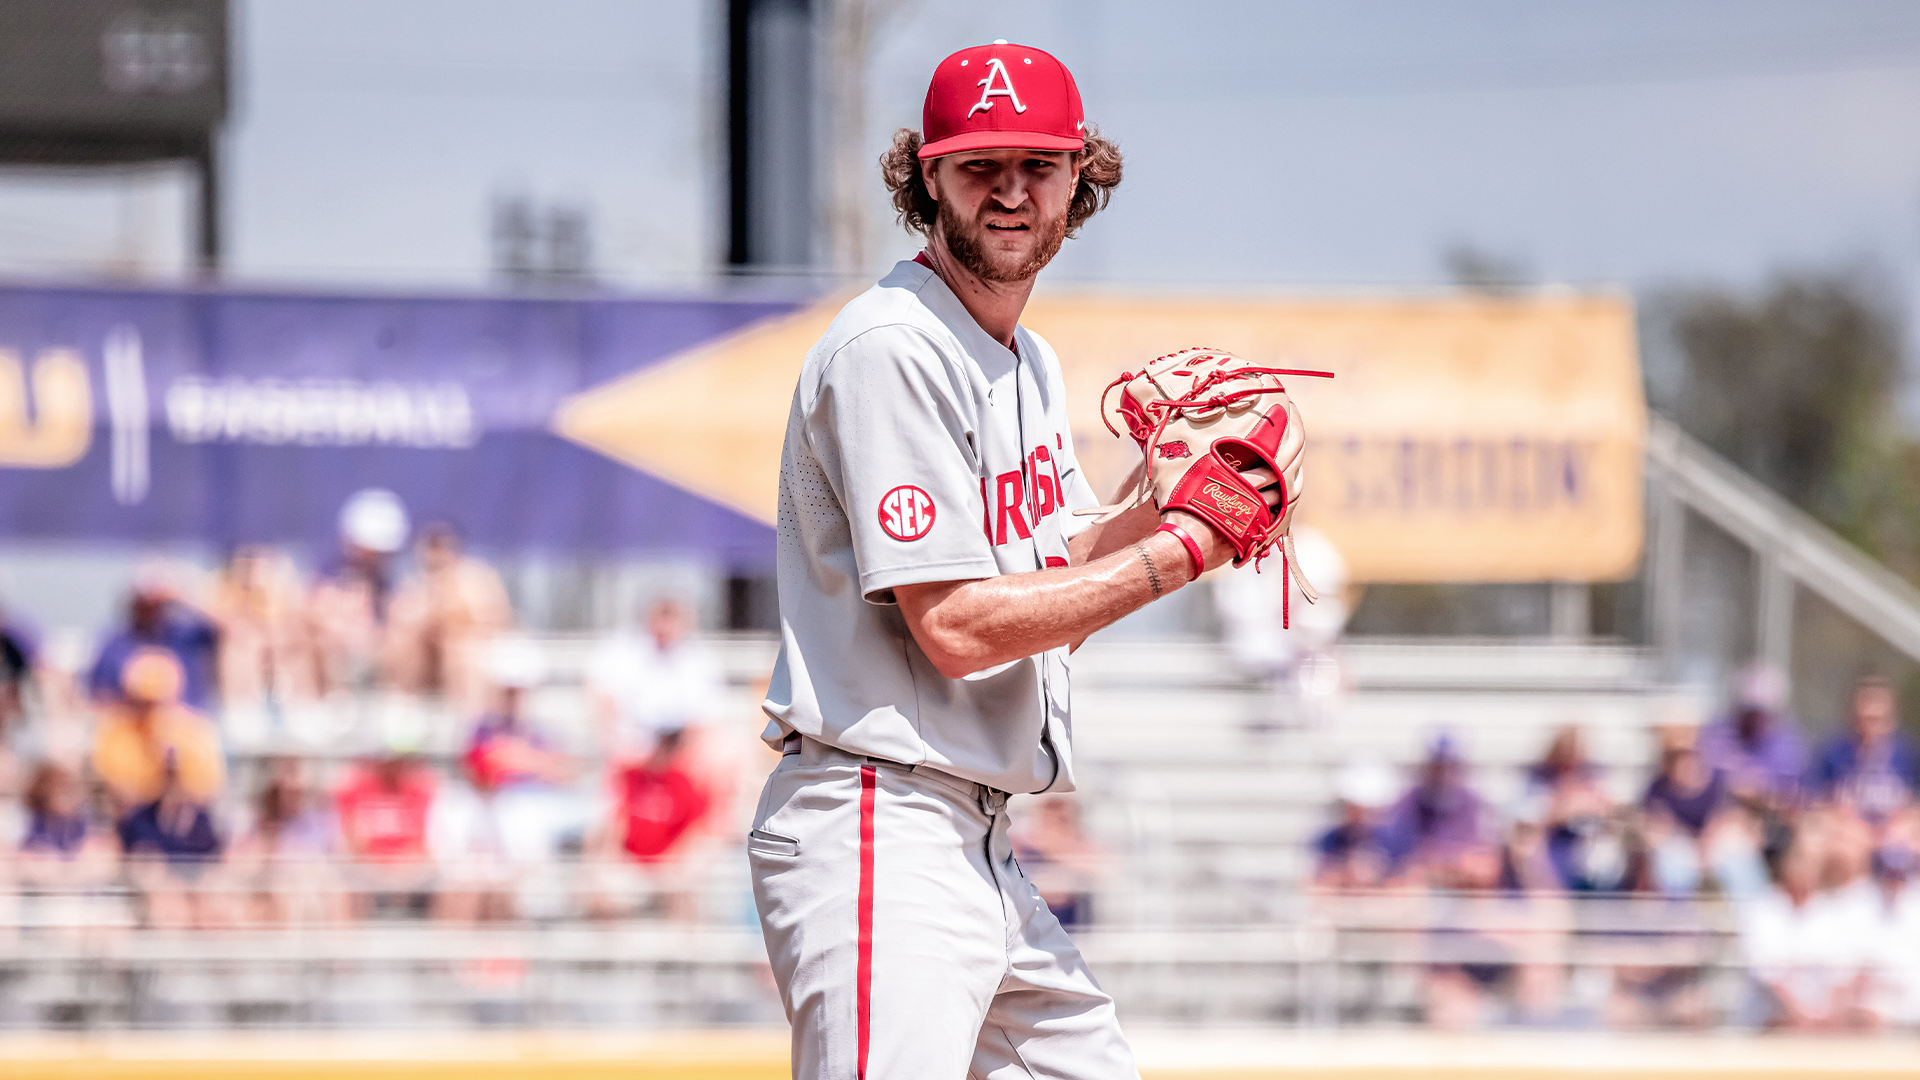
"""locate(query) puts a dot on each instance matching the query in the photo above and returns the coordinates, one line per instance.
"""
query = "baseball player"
(933, 580)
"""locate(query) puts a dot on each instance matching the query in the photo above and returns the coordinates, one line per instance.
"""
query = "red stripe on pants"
(863, 990)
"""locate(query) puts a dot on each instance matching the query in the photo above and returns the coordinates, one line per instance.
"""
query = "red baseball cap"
(1000, 96)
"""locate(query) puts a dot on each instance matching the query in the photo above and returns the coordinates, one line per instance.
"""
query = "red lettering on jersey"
(1055, 562)
(1009, 494)
(906, 512)
(1046, 495)
(986, 512)
(1059, 489)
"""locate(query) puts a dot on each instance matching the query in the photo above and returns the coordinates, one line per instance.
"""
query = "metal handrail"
(1805, 550)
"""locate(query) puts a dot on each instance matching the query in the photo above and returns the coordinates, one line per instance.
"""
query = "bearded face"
(999, 252)
(1003, 214)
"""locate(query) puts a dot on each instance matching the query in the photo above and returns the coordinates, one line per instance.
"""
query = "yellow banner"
(1461, 439)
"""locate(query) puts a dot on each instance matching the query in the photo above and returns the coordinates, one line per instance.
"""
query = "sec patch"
(906, 512)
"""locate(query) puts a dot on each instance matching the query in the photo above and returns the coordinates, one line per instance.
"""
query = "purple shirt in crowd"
(1770, 759)
(1693, 810)
(1444, 817)
(1874, 780)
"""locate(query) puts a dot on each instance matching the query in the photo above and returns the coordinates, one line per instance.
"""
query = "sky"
(1320, 144)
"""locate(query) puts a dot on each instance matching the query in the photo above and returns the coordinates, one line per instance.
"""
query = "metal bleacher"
(1209, 787)
(1203, 788)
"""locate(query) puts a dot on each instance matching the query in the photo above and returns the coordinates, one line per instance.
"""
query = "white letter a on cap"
(996, 70)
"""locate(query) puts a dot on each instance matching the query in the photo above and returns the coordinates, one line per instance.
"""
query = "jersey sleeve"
(890, 429)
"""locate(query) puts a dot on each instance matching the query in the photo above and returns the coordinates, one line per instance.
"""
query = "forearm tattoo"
(1153, 572)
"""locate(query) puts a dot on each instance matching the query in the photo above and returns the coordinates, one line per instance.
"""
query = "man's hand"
(1213, 544)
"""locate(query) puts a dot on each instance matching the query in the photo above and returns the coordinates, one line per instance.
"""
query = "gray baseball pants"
(906, 941)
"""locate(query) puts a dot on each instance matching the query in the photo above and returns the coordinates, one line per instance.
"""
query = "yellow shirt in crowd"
(131, 757)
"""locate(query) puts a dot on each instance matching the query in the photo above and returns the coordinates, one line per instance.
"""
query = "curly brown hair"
(917, 209)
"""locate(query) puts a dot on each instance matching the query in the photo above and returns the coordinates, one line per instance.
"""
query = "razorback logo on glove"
(1175, 449)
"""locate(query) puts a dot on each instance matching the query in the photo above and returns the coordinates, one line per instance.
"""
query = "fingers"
(1266, 482)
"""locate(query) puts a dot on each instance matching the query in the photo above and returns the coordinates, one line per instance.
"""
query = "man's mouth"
(1007, 227)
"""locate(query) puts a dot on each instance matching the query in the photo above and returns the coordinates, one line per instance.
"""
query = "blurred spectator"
(172, 848)
(643, 849)
(62, 729)
(385, 809)
(1805, 943)
(1893, 996)
(348, 607)
(265, 654)
(658, 802)
(1355, 853)
(524, 781)
(1566, 779)
(442, 621)
(1757, 746)
(1059, 858)
(1580, 835)
(1440, 818)
(149, 740)
(1496, 937)
(1659, 974)
(1734, 852)
(1679, 806)
(17, 657)
(1684, 789)
(284, 863)
(1254, 607)
(20, 741)
(64, 844)
(1659, 953)
(1870, 767)
(157, 618)
(654, 685)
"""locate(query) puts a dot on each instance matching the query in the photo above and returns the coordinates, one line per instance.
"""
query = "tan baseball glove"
(1202, 418)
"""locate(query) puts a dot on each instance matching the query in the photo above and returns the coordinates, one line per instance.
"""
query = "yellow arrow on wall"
(710, 420)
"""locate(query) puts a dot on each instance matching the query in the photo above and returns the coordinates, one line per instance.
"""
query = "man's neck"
(995, 305)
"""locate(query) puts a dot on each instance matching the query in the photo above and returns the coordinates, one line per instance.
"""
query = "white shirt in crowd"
(1815, 948)
(655, 690)
(1895, 994)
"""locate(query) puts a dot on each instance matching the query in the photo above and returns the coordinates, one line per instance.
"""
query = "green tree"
(1798, 384)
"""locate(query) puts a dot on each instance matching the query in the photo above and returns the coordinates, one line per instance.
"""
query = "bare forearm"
(1108, 537)
(969, 626)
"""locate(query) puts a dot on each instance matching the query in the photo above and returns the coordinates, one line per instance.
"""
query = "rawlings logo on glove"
(1241, 510)
(1240, 414)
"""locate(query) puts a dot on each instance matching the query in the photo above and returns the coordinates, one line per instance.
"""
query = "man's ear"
(929, 175)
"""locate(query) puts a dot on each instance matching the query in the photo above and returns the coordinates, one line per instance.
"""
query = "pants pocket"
(762, 842)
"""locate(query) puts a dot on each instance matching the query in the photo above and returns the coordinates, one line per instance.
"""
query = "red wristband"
(1192, 545)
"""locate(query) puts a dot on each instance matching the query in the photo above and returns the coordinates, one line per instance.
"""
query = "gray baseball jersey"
(920, 449)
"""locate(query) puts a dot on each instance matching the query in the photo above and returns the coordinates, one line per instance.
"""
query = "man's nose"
(1011, 191)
